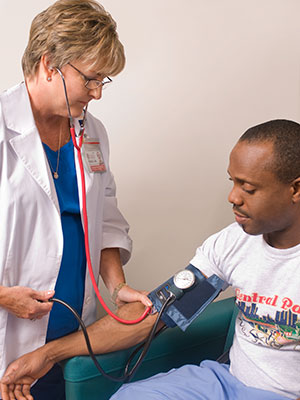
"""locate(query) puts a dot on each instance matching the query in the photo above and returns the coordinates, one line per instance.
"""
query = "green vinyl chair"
(208, 337)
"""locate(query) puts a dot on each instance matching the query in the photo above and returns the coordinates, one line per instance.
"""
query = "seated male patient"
(258, 255)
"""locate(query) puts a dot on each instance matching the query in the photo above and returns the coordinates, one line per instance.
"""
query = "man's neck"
(282, 239)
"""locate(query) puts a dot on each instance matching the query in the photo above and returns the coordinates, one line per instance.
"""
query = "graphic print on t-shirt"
(270, 320)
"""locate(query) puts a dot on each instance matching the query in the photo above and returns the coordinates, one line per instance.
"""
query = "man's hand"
(26, 303)
(20, 375)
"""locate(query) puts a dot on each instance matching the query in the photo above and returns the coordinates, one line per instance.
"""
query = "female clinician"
(72, 43)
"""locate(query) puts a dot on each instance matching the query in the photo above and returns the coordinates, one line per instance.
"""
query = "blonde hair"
(70, 30)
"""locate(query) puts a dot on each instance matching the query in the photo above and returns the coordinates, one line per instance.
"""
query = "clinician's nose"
(235, 196)
(96, 93)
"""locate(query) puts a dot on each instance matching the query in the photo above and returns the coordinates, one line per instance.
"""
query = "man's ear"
(296, 190)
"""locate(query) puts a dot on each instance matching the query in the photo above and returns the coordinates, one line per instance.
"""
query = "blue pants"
(208, 381)
(51, 386)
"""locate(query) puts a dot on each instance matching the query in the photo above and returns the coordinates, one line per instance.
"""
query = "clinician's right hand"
(25, 302)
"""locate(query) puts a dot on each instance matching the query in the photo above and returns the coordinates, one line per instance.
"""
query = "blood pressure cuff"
(191, 303)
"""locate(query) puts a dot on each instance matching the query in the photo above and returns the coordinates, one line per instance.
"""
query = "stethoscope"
(78, 145)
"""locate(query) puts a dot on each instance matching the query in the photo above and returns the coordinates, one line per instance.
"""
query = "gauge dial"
(184, 279)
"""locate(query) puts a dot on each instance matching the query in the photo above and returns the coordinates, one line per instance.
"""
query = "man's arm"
(106, 335)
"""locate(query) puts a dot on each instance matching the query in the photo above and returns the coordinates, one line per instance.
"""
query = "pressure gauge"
(184, 279)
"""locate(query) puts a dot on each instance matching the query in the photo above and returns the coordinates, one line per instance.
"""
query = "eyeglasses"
(93, 83)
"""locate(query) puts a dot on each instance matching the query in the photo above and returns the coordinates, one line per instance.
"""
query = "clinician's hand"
(26, 303)
(129, 295)
(20, 374)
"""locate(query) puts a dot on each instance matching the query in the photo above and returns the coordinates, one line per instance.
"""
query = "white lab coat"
(31, 239)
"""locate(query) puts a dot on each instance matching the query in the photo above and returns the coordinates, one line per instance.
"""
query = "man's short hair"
(285, 136)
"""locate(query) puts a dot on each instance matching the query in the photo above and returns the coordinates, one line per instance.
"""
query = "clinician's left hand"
(129, 295)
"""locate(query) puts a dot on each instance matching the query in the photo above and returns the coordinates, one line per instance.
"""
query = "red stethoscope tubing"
(86, 237)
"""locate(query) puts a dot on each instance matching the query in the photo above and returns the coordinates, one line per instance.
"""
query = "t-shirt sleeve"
(208, 258)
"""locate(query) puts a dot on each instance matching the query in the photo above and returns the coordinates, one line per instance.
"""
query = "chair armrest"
(204, 339)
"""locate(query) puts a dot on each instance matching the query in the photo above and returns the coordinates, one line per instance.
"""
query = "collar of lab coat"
(17, 109)
(26, 141)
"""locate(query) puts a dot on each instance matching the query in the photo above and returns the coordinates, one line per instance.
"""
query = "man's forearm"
(106, 335)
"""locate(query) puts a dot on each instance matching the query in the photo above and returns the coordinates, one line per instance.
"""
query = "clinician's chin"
(77, 113)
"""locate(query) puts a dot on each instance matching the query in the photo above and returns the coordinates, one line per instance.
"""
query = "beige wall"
(198, 74)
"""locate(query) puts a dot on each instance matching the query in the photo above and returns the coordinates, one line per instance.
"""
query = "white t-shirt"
(266, 349)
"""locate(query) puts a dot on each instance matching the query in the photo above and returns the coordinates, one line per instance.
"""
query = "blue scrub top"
(70, 283)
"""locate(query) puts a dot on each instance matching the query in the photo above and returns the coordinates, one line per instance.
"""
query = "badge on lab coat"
(92, 155)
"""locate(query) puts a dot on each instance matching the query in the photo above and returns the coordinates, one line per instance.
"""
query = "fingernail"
(50, 292)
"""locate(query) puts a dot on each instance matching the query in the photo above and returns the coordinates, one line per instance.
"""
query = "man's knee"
(133, 391)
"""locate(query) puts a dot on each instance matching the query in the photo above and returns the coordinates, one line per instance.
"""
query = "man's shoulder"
(232, 237)
(232, 231)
